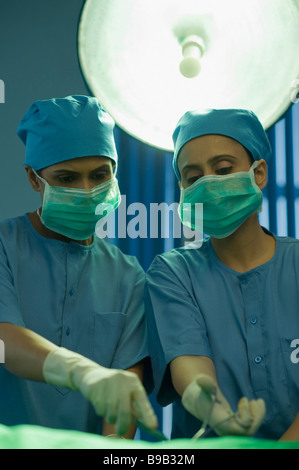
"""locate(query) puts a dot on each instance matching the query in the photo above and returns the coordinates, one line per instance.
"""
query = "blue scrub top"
(88, 299)
(195, 305)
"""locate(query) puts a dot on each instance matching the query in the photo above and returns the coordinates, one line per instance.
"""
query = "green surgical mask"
(74, 212)
(227, 201)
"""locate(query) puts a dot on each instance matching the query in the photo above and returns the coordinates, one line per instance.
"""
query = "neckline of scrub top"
(261, 266)
(54, 241)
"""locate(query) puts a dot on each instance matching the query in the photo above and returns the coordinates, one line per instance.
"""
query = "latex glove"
(117, 395)
(198, 400)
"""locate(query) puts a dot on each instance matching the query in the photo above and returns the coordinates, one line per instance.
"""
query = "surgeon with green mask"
(222, 313)
(71, 304)
(228, 193)
(77, 191)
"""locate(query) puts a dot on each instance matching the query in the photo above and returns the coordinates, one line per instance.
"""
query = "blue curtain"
(146, 176)
(281, 196)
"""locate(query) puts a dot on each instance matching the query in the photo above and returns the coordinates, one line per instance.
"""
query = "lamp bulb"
(192, 50)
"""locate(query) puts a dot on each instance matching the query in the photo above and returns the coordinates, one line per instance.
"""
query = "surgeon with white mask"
(71, 304)
(223, 314)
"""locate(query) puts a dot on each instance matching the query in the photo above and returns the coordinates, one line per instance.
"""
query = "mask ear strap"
(39, 177)
(254, 165)
(45, 182)
(115, 169)
(252, 173)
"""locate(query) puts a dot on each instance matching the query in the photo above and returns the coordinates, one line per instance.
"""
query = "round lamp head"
(150, 61)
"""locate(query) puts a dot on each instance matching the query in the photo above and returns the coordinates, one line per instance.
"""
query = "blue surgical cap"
(60, 129)
(239, 124)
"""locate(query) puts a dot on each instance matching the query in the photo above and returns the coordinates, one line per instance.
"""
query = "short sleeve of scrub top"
(173, 315)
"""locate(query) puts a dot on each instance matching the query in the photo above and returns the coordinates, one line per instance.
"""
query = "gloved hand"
(117, 395)
(204, 400)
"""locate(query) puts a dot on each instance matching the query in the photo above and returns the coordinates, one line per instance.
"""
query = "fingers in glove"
(243, 417)
(142, 409)
(257, 411)
(197, 401)
(111, 411)
(236, 424)
(124, 417)
(113, 400)
(207, 384)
